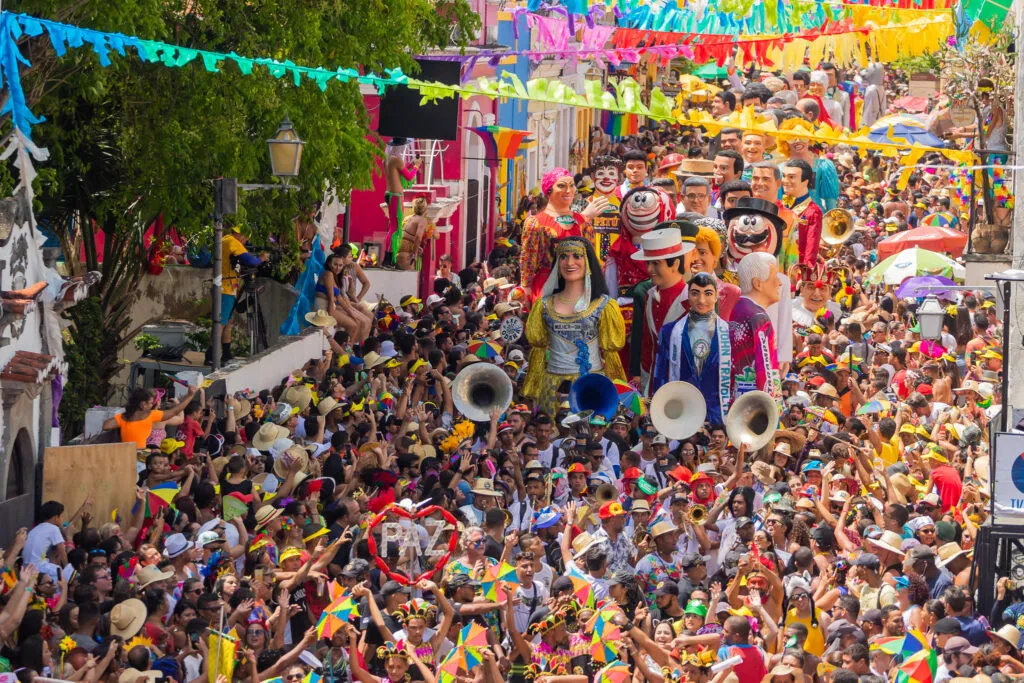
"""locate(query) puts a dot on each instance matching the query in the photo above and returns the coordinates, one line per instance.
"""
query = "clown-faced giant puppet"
(607, 174)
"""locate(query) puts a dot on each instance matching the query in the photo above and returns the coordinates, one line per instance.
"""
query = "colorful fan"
(483, 349)
(629, 397)
(615, 672)
(871, 407)
(235, 505)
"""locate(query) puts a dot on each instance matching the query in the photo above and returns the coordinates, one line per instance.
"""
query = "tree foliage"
(134, 140)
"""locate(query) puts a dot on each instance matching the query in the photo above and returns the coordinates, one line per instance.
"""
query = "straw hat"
(663, 528)
(491, 283)
(373, 359)
(765, 472)
(150, 574)
(827, 389)
(266, 436)
(484, 487)
(1007, 633)
(297, 395)
(889, 540)
(281, 465)
(795, 439)
(948, 552)
(326, 405)
(583, 543)
(127, 618)
(321, 318)
(902, 487)
(265, 515)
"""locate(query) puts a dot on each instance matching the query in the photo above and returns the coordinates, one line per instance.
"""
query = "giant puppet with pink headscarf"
(556, 221)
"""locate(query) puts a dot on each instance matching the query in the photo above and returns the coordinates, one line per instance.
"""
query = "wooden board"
(104, 471)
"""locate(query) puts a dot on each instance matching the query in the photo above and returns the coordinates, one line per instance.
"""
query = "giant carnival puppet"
(575, 328)
(697, 348)
(755, 226)
(662, 251)
(642, 208)
(755, 364)
(607, 174)
(556, 221)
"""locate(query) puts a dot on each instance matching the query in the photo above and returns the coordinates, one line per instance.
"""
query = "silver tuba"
(479, 388)
(678, 410)
(753, 419)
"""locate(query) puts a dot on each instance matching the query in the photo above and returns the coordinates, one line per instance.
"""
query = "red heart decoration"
(398, 576)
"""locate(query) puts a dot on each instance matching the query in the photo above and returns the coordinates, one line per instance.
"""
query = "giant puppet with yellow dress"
(576, 327)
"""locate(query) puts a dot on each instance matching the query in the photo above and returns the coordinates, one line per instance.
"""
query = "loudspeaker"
(402, 115)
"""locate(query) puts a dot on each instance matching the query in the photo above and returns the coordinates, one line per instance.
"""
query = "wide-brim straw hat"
(281, 465)
(321, 318)
(266, 436)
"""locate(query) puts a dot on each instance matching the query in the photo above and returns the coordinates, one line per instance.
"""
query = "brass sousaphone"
(479, 388)
(753, 419)
(678, 410)
(836, 227)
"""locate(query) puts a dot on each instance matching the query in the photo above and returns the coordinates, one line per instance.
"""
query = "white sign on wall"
(1008, 479)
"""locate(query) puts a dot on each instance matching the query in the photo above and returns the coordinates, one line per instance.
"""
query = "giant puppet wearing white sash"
(697, 349)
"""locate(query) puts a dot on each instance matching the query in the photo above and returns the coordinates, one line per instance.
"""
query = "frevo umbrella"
(923, 285)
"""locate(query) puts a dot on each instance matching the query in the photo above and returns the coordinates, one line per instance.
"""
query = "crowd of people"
(352, 524)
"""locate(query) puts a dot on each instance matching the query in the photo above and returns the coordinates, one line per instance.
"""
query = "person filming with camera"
(233, 253)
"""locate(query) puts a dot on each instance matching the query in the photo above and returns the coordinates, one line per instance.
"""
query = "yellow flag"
(224, 662)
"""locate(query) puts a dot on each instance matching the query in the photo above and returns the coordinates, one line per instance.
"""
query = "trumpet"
(698, 515)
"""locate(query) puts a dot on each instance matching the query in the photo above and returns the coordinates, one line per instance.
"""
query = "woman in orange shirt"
(136, 422)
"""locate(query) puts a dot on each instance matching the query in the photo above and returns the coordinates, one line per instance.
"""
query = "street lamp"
(929, 316)
(285, 159)
(285, 150)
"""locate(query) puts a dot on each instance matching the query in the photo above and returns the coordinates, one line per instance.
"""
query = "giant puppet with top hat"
(661, 252)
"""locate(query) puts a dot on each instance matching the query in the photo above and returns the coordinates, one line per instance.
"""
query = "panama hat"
(484, 487)
(150, 574)
(266, 436)
(889, 540)
(127, 618)
(265, 515)
(282, 464)
(321, 318)
(326, 405)
(827, 389)
(583, 543)
(663, 243)
(297, 395)
(948, 552)
(373, 359)
(1008, 634)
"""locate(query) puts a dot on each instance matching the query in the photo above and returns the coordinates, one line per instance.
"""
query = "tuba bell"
(836, 227)
(480, 388)
(595, 393)
(606, 493)
(752, 419)
(698, 514)
(678, 410)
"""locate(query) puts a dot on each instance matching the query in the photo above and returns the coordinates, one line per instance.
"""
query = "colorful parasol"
(913, 642)
(935, 238)
(890, 646)
(335, 614)
(873, 407)
(603, 647)
(507, 573)
(615, 672)
(908, 263)
(919, 667)
(484, 349)
(449, 669)
(629, 397)
(159, 497)
(581, 587)
(490, 585)
(942, 219)
(923, 285)
(904, 132)
(473, 635)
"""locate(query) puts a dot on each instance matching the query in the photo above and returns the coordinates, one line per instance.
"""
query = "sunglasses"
(294, 677)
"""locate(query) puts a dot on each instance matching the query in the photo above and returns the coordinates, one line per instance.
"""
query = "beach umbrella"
(629, 397)
(923, 285)
(931, 237)
(904, 132)
(908, 263)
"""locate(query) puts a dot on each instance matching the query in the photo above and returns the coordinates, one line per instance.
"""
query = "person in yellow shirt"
(233, 252)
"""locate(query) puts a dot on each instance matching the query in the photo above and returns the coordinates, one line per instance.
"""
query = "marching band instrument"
(595, 393)
(753, 419)
(640, 535)
(678, 410)
(480, 388)
(606, 493)
(836, 226)
(698, 514)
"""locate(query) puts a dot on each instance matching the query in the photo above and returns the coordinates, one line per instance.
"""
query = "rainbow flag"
(619, 125)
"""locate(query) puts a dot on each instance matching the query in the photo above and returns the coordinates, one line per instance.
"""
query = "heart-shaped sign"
(398, 576)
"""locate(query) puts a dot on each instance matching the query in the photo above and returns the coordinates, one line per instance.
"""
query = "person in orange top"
(136, 422)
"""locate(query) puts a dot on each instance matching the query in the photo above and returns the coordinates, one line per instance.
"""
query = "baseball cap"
(667, 587)
(868, 560)
(691, 560)
(392, 587)
(959, 645)
(434, 299)
(743, 521)
(872, 615)
(459, 580)
(659, 439)
(947, 626)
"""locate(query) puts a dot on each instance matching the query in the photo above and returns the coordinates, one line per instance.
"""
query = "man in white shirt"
(530, 594)
(44, 545)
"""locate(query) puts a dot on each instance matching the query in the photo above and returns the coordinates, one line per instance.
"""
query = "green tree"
(134, 140)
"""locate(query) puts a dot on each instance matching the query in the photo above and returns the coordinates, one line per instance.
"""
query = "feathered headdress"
(391, 649)
(539, 628)
(414, 609)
